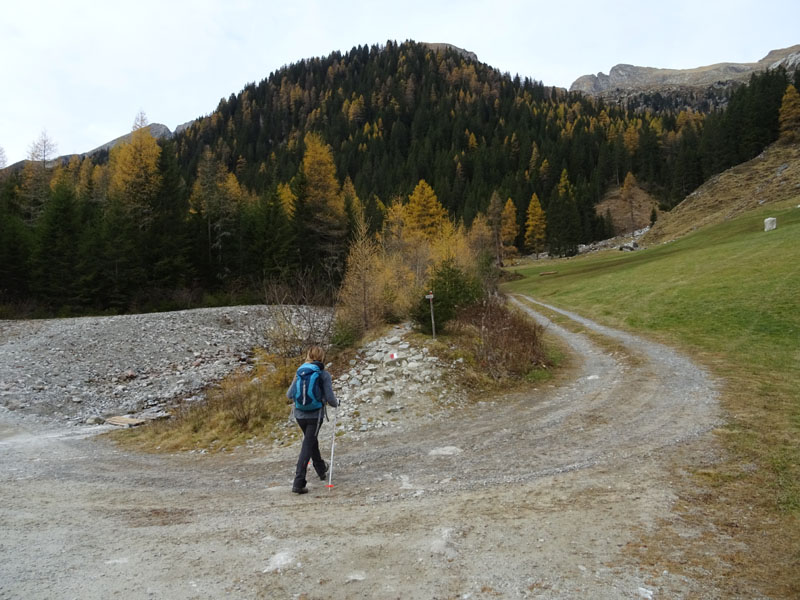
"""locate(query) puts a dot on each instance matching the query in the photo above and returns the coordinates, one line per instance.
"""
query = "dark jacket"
(328, 398)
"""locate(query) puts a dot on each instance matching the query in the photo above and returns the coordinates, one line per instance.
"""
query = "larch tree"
(508, 224)
(424, 212)
(535, 226)
(135, 179)
(287, 198)
(789, 116)
(360, 296)
(353, 207)
(320, 217)
(35, 176)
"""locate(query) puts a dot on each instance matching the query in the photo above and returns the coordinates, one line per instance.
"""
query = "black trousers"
(309, 450)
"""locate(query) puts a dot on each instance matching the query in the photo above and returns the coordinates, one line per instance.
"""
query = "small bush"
(452, 289)
(345, 334)
(506, 343)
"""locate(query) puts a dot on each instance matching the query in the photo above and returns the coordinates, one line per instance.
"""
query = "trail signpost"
(429, 296)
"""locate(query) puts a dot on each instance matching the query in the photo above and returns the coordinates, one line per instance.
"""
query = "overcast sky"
(82, 70)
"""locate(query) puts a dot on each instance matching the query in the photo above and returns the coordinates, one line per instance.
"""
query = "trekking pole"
(333, 443)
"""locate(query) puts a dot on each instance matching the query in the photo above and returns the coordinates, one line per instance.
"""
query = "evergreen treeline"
(269, 183)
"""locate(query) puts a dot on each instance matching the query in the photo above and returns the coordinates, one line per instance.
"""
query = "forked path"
(543, 494)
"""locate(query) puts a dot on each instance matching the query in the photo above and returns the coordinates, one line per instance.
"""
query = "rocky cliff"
(629, 78)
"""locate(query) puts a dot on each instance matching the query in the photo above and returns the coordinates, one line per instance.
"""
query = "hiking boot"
(324, 474)
(302, 490)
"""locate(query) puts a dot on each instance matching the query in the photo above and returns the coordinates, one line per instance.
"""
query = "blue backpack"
(307, 390)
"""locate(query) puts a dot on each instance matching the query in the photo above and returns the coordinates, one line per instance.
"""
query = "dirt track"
(542, 495)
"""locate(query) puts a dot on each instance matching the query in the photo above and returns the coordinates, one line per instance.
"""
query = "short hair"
(315, 353)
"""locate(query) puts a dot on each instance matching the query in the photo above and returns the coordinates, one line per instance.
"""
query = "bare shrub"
(506, 343)
(301, 312)
(360, 299)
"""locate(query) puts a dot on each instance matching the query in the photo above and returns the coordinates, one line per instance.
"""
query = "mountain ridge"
(627, 77)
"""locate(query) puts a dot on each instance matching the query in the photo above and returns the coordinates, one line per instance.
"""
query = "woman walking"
(311, 390)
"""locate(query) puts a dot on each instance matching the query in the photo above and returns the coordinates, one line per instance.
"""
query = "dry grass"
(771, 178)
(620, 211)
(503, 343)
(241, 408)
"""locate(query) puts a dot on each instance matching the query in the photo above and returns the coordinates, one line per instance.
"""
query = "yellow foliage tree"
(789, 116)
(324, 219)
(352, 203)
(361, 295)
(287, 198)
(480, 236)
(424, 213)
(135, 179)
(544, 171)
(508, 224)
(628, 187)
(535, 226)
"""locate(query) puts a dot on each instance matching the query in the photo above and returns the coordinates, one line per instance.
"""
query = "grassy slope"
(730, 295)
(770, 178)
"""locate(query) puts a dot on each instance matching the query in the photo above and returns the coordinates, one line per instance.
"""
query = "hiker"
(311, 390)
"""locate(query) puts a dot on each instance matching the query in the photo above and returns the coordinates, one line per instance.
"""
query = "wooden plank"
(124, 421)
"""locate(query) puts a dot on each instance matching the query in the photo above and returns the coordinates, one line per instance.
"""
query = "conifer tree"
(789, 116)
(212, 202)
(424, 213)
(508, 224)
(54, 257)
(563, 219)
(360, 295)
(535, 226)
(495, 215)
(287, 198)
(135, 179)
(320, 216)
(36, 177)
(15, 243)
(628, 188)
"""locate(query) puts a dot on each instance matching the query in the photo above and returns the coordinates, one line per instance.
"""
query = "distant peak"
(441, 47)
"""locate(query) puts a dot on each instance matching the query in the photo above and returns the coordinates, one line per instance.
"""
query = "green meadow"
(729, 296)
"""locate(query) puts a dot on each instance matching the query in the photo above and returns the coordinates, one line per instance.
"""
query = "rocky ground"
(543, 494)
(74, 370)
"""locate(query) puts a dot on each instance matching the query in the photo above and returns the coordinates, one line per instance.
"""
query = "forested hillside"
(274, 179)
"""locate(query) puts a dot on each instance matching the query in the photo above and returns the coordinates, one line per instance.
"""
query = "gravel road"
(536, 495)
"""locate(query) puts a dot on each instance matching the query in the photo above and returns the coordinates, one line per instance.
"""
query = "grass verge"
(729, 294)
(242, 407)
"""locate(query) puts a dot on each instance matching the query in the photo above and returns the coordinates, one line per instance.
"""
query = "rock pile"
(391, 376)
(627, 242)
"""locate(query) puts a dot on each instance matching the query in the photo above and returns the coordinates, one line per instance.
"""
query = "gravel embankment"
(75, 369)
